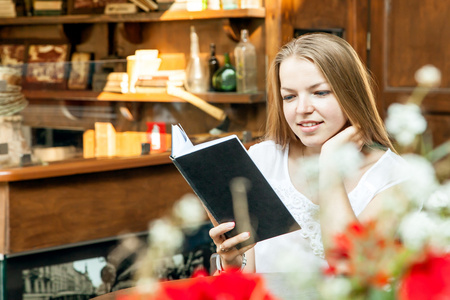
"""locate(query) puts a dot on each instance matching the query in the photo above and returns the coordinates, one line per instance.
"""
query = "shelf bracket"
(232, 27)
(75, 32)
(131, 31)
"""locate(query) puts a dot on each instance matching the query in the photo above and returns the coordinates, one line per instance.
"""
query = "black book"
(213, 167)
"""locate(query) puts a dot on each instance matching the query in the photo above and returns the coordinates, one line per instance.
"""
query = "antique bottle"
(213, 64)
(224, 80)
(245, 55)
(196, 71)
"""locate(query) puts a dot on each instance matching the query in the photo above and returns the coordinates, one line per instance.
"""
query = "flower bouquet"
(408, 259)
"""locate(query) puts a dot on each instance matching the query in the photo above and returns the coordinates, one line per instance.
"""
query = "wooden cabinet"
(406, 35)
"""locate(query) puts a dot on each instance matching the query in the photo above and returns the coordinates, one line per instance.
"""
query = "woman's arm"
(335, 209)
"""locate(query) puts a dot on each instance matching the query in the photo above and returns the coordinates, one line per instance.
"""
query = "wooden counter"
(82, 200)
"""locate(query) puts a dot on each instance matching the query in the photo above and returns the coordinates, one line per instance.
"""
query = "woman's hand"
(226, 248)
(349, 135)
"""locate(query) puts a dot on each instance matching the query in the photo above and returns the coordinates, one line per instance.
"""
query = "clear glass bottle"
(213, 64)
(196, 71)
(230, 4)
(250, 3)
(245, 55)
(224, 80)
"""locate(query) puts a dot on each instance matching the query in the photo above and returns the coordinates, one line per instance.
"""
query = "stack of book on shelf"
(104, 141)
(47, 7)
(117, 82)
(159, 81)
(120, 7)
(172, 4)
(146, 5)
(7, 9)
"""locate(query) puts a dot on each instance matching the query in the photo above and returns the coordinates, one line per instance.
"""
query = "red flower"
(227, 286)
(427, 280)
(380, 279)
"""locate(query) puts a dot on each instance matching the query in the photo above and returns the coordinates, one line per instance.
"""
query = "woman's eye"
(288, 97)
(322, 93)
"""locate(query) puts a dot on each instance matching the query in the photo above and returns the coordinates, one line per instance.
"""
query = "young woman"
(320, 99)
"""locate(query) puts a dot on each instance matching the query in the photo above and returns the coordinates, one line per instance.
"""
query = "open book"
(213, 167)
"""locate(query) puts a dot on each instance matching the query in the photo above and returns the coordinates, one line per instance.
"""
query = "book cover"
(210, 167)
(47, 66)
(81, 68)
(120, 8)
(47, 5)
(141, 5)
(12, 54)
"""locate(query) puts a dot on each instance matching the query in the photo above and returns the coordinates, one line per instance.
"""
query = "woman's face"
(310, 107)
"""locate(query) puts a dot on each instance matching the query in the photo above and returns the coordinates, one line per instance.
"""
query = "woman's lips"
(309, 126)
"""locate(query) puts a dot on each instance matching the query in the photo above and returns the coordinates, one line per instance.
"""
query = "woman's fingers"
(217, 232)
(228, 251)
(226, 248)
(230, 243)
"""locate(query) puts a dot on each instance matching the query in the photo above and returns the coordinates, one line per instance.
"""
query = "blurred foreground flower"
(428, 76)
(226, 286)
(166, 238)
(428, 279)
(410, 258)
(405, 122)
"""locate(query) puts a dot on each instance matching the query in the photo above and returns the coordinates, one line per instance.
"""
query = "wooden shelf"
(139, 17)
(105, 96)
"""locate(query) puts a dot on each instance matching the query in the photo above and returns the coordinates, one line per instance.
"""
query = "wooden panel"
(319, 14)
(405, 35)
(357, 26)
(4, 197)
(62, 210)
(439, 125)
(32, 32)
(279, 27)
(411, 43)
(351, 15)
(81, 166)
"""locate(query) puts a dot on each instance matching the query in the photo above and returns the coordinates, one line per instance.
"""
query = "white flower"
(336, 288)
(147, 285)
(441, 236)
(421, 181)
(404, 122)
(440, 199)
(164, 235)
(428, 76)
(189, 210)
(416, 229)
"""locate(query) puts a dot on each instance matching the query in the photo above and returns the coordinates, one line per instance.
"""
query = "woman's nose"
(304, 105)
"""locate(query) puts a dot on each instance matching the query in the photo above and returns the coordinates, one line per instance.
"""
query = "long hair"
(349, 80)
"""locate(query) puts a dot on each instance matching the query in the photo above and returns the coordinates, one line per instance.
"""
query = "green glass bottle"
(224, 79)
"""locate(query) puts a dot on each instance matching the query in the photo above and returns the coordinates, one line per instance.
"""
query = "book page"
(180, 140)
(182, 145)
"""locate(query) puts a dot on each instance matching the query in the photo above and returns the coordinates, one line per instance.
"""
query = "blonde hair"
(349, 80)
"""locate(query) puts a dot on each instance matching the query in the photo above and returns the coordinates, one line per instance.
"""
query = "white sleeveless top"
(306, 245)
